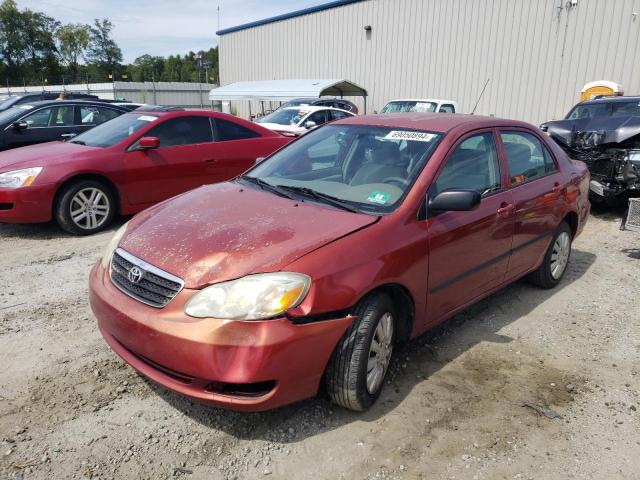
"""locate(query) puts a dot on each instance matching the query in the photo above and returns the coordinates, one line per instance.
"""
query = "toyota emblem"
(135, 275)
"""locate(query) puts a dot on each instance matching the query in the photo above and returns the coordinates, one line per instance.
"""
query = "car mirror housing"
(309, 124)
(149, 143)
(457, 200)
(20, 125)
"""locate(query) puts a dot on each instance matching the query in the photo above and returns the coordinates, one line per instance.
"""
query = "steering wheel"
(403, 182)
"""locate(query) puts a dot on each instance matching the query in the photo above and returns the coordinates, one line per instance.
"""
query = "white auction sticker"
(410, 135)
(147, 118)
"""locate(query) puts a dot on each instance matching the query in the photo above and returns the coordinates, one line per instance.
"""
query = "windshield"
(605, 109)
(284, 117)
(296, 103)
(409, 106)
(114, 131)
(367, 167)
(6, 102)
(14, 112)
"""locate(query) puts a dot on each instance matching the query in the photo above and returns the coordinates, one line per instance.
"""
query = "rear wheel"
(85, 207)
(555, 262)
(357, 369)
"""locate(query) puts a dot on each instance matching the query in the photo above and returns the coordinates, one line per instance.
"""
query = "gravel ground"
(527, 384)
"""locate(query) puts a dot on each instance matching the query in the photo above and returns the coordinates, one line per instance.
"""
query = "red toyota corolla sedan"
(314, 264)
(126, 165)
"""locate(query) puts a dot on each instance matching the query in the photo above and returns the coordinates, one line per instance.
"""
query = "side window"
(447, 108)
(337, 115)
(183, 131)
(319, 117)
(51, 117)
(473, 165)
(527, 157)
(96, 115)
(228, 130)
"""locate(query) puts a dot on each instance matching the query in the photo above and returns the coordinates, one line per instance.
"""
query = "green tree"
(73, 41)
(103, 51)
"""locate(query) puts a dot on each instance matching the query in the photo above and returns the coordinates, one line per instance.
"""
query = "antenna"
(480, 97)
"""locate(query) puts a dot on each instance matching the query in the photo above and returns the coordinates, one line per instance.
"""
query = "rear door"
(537, 187)
(88, 116)
(469, 251)
(178, 165)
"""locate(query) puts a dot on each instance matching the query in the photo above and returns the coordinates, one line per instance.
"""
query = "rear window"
(227, 131)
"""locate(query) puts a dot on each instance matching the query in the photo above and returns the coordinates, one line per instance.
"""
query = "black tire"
(63, 206)
(543, 277)
(346, 375)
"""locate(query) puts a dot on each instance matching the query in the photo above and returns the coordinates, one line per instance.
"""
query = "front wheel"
(357, 369)
(85, 207)
(554, 264)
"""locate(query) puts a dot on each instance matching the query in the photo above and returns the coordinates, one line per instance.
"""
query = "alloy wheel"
(560, 255)
(380, 353)
(89, 208)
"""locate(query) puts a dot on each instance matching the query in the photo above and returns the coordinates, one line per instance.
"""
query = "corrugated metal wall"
(537, 53)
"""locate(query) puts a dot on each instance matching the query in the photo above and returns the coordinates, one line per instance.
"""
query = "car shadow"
(632, 253)
(45, 231)
(428, 354)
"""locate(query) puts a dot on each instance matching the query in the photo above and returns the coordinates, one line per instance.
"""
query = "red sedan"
(314, 264)
(126, 165)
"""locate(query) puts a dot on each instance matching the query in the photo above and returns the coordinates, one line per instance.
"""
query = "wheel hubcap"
(380, 353)
(560, 255)
(89, 208)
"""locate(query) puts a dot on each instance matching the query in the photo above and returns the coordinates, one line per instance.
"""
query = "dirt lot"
(454, 407)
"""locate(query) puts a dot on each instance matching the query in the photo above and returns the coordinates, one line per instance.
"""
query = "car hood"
(225, 231)
(42, 154)
(593, 132)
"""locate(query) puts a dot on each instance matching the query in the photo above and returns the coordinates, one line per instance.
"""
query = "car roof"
(433, 100)
(313, 108)
(88, 101)
(617, 99)
(318, 99)
(434, 122)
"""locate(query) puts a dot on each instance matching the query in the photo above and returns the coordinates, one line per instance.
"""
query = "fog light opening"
(241, 389)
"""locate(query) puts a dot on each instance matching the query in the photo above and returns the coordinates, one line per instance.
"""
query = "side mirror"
(20, 125)
(259, 159)
(309, 124)
(457, 200)
(149, 143)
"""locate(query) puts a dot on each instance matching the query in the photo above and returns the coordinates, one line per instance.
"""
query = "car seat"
(386, 161)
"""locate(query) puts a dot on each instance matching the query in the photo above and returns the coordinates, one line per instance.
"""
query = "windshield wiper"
(266, 186)
(322, 197)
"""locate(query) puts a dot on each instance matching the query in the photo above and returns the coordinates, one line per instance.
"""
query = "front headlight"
(19, 178)
(113, 244)
(254, 297)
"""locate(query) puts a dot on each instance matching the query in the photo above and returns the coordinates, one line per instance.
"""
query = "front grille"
(155, 287)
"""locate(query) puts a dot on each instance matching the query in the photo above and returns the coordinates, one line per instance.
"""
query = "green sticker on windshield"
(378, 197)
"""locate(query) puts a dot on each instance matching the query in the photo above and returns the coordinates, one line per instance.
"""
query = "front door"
(178, 165)
(469, 251)
(42, 125)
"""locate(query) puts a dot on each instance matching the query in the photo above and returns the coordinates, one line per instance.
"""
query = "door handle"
(505, 209)
(68, 135)
(557, 188)
(211, 160)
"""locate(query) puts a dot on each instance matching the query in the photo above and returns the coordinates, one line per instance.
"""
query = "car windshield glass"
(589, 111)
(409, 106)
(366, 168)
(13, 113)
(114, 131)
(6, 102)
(284, 117)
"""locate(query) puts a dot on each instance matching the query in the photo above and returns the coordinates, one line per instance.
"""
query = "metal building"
(537, 53)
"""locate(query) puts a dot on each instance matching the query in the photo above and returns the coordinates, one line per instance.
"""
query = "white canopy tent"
(284, 90)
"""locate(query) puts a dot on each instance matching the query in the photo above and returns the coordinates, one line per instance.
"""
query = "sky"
(164, 27)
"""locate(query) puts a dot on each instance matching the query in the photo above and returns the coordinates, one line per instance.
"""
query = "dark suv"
(340, 103)
(8, 101)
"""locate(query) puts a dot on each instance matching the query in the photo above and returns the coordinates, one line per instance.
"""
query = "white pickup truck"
(421, 105)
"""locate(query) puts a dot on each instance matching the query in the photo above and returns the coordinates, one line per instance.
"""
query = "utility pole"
(153, 84)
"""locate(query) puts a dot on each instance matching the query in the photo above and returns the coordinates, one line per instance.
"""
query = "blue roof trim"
(297, 13)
